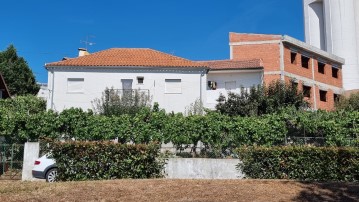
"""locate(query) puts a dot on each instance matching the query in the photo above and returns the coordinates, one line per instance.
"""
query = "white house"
(173, 82)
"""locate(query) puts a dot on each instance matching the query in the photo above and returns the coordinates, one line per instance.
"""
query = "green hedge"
(300, 163)
(219, 133)
(106, 160)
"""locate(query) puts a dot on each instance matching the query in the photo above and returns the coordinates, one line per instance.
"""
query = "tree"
(17, 74)
(262, 100)
(350, 103)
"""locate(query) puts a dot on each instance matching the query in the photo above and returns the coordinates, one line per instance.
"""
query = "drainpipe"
(52, 89)
(200, 87)
(281, 52)
(203, 72)
(314, 86)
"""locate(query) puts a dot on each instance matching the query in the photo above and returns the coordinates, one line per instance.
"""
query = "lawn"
(178, 190)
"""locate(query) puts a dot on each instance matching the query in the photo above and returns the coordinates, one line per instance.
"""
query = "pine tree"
(17, 74)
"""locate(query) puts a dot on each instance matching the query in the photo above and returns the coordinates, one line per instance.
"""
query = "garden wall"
(202, 168)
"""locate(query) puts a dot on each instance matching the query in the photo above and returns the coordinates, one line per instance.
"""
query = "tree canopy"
(17, 74)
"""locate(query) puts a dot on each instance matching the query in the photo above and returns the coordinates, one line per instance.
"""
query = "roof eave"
(127, 67)
(246, 68)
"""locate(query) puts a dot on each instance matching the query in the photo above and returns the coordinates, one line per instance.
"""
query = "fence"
(11, 160)
(319, 141)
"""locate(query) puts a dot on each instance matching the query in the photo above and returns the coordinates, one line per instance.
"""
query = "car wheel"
(51, 175)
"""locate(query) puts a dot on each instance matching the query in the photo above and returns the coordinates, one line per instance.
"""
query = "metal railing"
(124, 94)
(320, 141)
(11, 160)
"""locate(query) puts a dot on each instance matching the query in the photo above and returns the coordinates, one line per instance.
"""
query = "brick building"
(316, 72)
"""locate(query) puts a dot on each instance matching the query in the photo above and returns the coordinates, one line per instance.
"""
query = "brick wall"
(240, 37)
(269, 52)
(296, 67)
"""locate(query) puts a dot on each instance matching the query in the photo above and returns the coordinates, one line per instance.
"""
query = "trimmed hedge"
(300, 163)
(106, 160)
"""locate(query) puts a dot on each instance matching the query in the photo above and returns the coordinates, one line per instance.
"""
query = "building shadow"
(329, 191)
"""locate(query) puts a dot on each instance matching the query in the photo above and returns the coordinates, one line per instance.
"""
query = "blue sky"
(45, 31)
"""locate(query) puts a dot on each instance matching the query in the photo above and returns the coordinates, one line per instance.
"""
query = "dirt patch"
(179, 190)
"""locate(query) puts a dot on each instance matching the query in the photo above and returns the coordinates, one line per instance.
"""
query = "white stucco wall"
(97, 79)
(242, 78)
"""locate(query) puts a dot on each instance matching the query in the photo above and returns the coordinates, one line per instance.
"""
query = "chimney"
(83, 52)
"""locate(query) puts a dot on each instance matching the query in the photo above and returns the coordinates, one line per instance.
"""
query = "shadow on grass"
(330, 191)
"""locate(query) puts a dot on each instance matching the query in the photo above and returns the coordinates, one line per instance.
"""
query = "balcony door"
(127, 87)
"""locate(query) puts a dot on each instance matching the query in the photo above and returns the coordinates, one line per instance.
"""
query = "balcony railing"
(127, 95)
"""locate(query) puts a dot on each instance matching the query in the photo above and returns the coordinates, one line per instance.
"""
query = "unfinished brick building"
(316, 72)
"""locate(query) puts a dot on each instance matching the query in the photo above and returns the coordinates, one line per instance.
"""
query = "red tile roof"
(115, 57)
(233, 64)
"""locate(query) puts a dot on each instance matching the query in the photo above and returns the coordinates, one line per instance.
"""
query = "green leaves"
(261, 100)
(17, 74)
(106, 160)
(300, 163)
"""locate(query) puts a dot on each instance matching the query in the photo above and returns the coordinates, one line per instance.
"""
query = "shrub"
(106, 160)
(300, 163)
(262, 100)
(118, 102)
(348, 103)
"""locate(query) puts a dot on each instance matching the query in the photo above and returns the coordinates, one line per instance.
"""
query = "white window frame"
(80, 90)
(173, 86)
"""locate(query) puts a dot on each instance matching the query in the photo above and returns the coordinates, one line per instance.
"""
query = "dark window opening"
(321, 68)
(323, 95)
(305, 62)
(335, 72)
(336, 97)
(293, 58)
(140, 79)
(306, 91)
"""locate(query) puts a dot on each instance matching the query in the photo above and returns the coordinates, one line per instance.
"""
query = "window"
(140, 79)
(323, 95)
(293, 58)
(321, 68)
(306, 91)
(230, 85)
(336, 97)
(127, 88)
(305, 62)
(75, 85)
(335, 72)
(173, 86)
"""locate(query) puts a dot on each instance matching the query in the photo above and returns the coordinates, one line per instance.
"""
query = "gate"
(11, 159)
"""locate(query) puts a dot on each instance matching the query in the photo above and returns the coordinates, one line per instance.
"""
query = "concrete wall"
(31, 153)
(193, 81)
(202, 168)
(245, 79)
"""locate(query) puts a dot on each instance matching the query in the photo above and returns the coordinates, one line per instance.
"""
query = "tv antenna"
(87, 42)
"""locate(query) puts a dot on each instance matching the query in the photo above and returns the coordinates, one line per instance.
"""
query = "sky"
(45, 31)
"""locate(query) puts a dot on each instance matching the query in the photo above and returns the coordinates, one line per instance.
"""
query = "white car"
(45, 168)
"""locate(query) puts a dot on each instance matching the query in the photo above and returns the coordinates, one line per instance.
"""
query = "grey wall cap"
(312, 49)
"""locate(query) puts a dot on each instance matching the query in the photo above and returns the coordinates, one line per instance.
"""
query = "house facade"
(316, 72)
(173, 82)
(231, 76)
